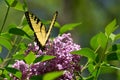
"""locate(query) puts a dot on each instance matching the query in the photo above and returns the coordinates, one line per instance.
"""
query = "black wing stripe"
(28, 19)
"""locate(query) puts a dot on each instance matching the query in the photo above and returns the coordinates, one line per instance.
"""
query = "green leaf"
(116, 47)
(19, 6)
(68, 27)
(118, 54)
(111, 27)
(52, 75)
(18, 31)
(112, 56)
(30, 58)
(14, 71)
(48, 76)
(0, 72)
(1, 60)
(22, 46)
(5, 73)
(43, 58)
(37, 77)
(4, 42)
(7, 36)
(19, 56)
(114, 52)
(85, 52)
(112, 37)
(107, 68)
(102, 40)
(28, 30)
(113, 67)
(91, 67)
(12, 26)
(99, 40)
(11, 3)
(0, 49)
(16, 4)
(117, 37)
(57, 25)
(49, 22)
(93, 42)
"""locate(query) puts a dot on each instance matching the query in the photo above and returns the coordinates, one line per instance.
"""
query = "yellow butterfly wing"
(39, 29)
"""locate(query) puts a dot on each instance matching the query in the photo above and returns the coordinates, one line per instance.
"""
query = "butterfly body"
(41, 35)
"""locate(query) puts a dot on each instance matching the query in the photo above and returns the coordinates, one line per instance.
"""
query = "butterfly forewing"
(38, 29)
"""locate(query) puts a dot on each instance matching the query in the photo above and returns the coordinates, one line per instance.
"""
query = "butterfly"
(40, 32)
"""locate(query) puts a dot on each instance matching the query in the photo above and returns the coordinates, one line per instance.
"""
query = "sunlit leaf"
(14, 71)
(99, 40)
(102, 40)
(11, 3)
(43, 58)
(68, 27)
(16, 4)
(52, 75)
(85, 52)
(111, 27)
(4, 42)
(30, 58)
(28, 30)
(48, 76)
(19, 6)
(94, 43)
(57, 25)
(112, 37)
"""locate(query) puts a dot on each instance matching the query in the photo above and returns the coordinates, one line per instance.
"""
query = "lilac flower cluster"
(59, 47)
(23, 67)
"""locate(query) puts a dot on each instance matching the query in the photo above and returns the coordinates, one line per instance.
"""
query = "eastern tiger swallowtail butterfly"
(41, 35)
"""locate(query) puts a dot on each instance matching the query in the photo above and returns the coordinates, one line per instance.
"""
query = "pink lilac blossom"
(60, 47)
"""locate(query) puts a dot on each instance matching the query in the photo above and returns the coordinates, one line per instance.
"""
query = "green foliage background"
(93, 14)
(90, 16)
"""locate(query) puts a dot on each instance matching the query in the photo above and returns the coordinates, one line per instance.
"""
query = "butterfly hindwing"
(41, 35)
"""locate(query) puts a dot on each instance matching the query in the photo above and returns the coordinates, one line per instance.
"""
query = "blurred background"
(93, 14)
